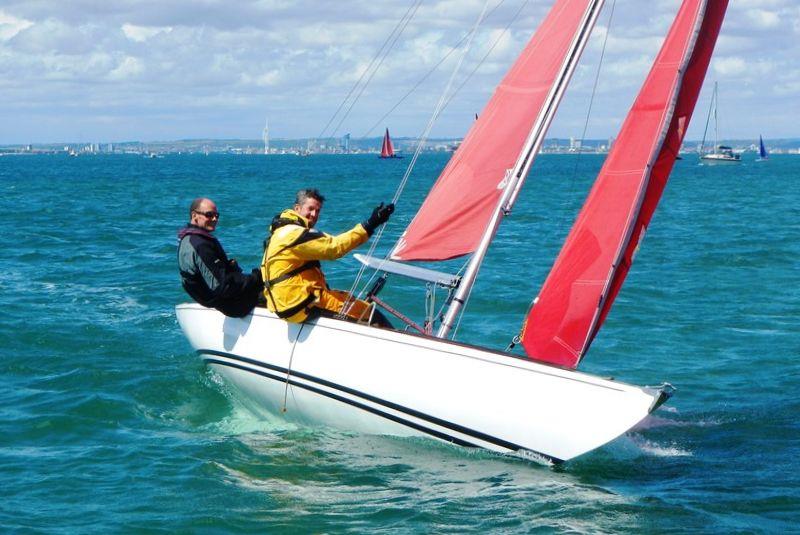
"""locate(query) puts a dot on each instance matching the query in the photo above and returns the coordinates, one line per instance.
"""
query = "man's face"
(310, 209)
(206, 216)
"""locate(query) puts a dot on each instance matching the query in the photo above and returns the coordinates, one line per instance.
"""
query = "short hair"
(310, 193)
(196, 204)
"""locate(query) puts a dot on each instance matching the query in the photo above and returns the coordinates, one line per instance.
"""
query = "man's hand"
(380, 215)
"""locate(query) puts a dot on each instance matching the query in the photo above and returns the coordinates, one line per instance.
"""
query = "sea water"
(110, 422)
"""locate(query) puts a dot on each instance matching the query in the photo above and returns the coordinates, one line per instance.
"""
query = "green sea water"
(110, 423)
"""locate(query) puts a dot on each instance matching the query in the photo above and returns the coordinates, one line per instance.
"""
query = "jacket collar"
(194, 229)
(288, 217)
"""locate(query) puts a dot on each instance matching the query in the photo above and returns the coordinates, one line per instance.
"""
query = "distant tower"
(346, 143)
(574, 145)
(265, 136)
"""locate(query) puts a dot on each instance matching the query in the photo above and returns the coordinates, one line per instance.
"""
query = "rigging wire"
(708, 120)
(488, 52)
(393, 36)
(421, 142)
(433, 69)
(369, 79)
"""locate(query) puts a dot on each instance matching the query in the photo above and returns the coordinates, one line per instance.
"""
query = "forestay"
(592, 265)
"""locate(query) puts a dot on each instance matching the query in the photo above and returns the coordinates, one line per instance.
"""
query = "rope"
(423, 138)
(289, 370)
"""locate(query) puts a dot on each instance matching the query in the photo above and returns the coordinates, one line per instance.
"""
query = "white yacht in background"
(720, 153)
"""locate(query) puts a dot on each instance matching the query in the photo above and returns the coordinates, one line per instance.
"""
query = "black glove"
(380, 215)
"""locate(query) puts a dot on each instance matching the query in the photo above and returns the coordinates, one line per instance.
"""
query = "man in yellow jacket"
(294, 285)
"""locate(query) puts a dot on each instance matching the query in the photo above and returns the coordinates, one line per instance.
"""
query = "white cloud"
(266, 79)
(295, 61)
(764, 19)
(129, 67)
(729, 65)
(11, 26)
(143, 33)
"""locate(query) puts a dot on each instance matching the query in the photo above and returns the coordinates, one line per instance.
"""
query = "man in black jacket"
(207, 274)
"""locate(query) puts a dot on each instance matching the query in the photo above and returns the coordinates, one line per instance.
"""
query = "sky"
(92, 71)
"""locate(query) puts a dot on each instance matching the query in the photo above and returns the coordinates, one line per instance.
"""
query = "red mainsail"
(458, 208)
(592, 265)
(387, 150)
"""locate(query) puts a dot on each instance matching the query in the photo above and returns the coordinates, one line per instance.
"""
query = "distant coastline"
(306, 146)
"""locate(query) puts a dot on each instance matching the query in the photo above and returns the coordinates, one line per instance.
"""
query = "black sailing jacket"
(211, 279)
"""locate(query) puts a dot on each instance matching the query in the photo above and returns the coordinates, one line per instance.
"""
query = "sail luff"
(602, 310)
(460, 205)
(515, 176)
(591, 267)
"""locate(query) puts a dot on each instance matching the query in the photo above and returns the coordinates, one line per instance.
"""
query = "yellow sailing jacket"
(293, 279)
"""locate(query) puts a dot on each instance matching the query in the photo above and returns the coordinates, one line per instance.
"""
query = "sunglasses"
(210, 214)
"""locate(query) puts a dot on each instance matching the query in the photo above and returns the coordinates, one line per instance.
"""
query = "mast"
(716, 133)
(515, 176)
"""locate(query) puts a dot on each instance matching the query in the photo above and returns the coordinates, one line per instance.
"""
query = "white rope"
(422, 140)
(289, 370)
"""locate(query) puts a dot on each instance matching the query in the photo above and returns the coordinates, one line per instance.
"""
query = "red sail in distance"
(458, 208)
(387, 150)
(597, 254)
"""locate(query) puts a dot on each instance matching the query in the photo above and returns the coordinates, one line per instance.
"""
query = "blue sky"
(160, 70)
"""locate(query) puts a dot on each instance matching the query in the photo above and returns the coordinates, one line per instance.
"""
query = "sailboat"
(720, 153)
(762, 150)
(365, 379)
(387, 149)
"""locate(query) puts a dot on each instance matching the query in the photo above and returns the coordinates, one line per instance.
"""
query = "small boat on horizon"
(720, 153)
(763, 155)
(387, 149)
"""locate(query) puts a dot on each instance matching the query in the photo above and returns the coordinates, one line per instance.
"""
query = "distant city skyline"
(141, 70)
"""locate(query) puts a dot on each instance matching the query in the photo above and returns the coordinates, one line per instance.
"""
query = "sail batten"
(457, 212)
(611, 225)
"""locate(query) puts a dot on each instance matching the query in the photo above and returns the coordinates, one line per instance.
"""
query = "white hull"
(720, 158)
(379, 381)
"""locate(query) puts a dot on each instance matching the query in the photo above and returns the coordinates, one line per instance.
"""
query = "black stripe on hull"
(378, 401)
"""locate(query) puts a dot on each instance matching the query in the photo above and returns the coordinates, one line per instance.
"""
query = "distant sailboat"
(762, 150)
(720, 153)
(387, 149)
